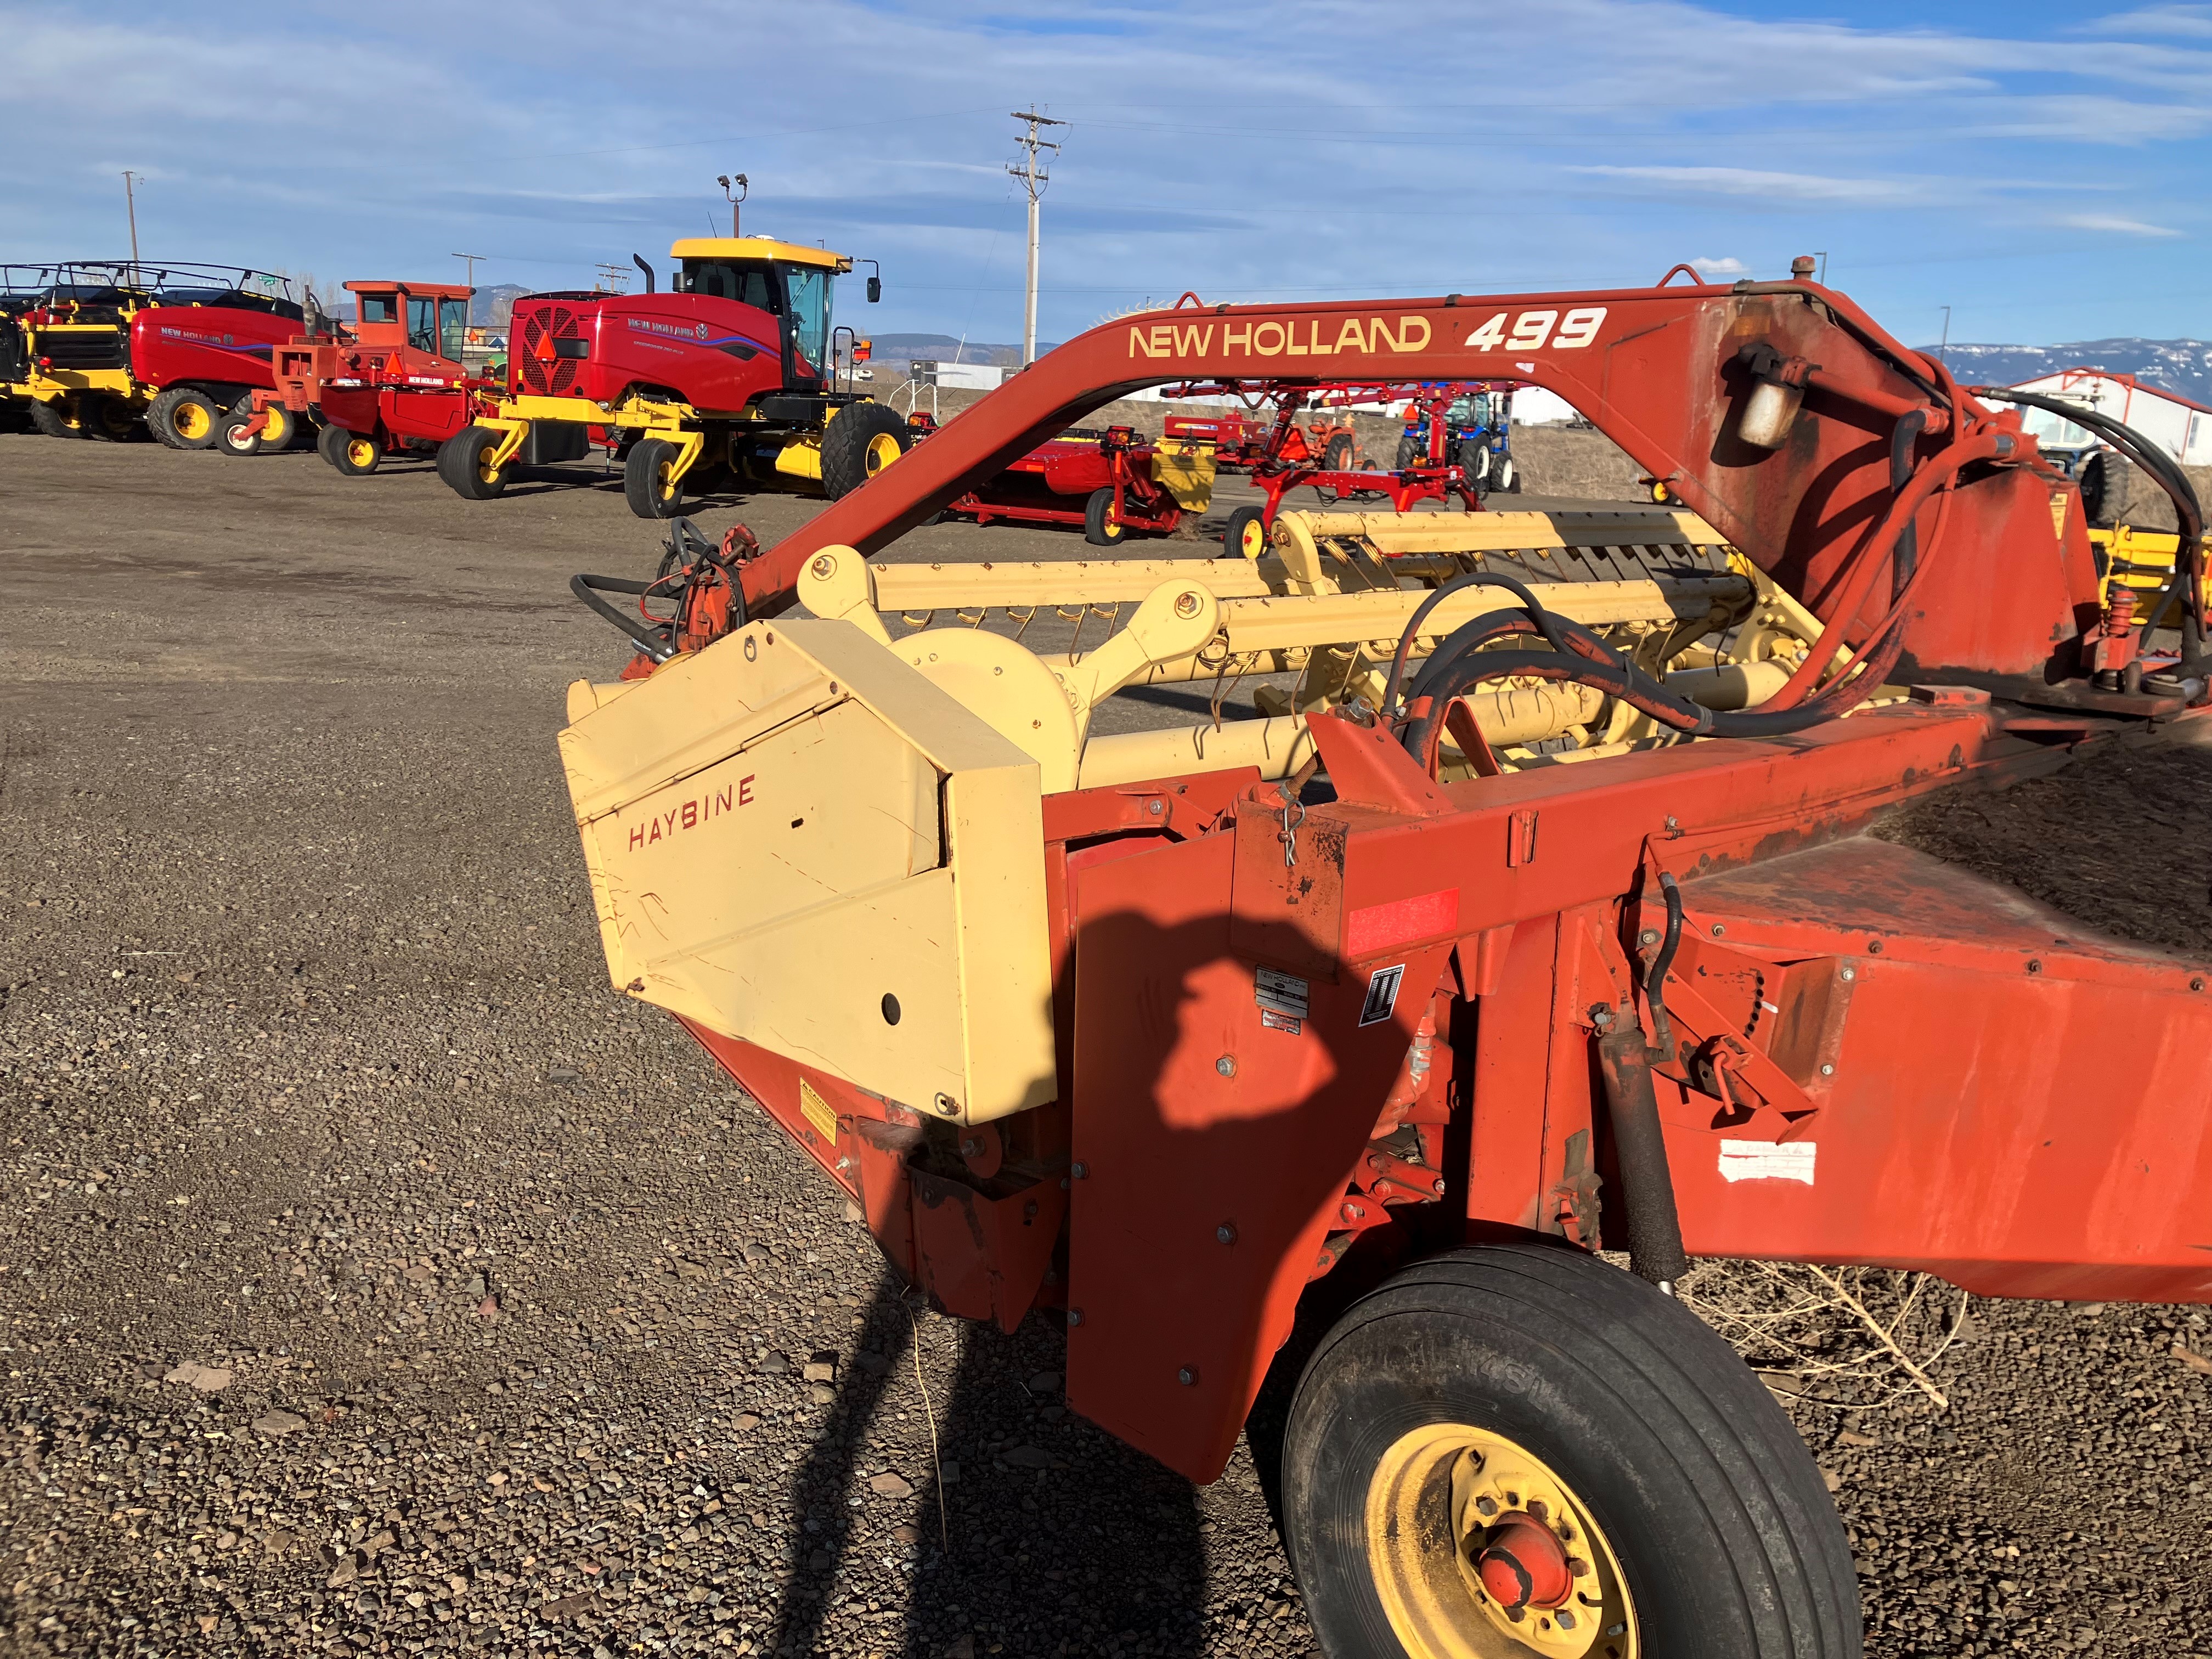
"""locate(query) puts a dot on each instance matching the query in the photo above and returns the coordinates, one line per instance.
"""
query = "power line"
(1033, 182)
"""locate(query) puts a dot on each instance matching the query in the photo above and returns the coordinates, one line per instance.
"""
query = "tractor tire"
(282, 430)
(183, 418)
(1245, 535)
(354, 454)
(461, 460)
(56, 418)
(2106, 478)
(102, 417)
(1472, 458)
(1410, 450)
(1505, 477)
(1681, 1512)
(647, 485)
(1100, 527)
(861, 440)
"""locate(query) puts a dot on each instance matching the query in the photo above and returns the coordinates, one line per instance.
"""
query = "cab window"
(453, 328)
(422, 324)
(810, 312)
(749, 285)
(379, 308)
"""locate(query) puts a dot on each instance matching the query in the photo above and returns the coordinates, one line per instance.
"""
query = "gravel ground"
(378, 1281)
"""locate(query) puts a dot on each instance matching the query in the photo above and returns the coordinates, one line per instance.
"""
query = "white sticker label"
(1767, 1160)
(1381, 994)
(1286, 993)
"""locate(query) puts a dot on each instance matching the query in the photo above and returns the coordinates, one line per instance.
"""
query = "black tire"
(354, 454)
(854, 447)
(1472, 458)
(1505, 477)
(461, 464)
(1410, 450)
(183, 418)
(1335, 456)
(1245, 535)
(56, 418)
(2106, 478)
(1699, 1488)
(647, 485)
(102, 417)
(1100, 527)
(231, 437)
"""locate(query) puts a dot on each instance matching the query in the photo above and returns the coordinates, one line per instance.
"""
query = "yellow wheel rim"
(1449, 1502)
(883, 450)
(1253, 541)
(273, 435)
(190, 420)
(359, 453)
(663, 481)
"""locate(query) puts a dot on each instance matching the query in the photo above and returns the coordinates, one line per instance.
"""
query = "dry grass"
(1849, 1339)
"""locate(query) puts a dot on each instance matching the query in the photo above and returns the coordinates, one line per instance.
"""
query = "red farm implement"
(1542, 920)
(1113, 483)
(393, 383)
(1325, 454)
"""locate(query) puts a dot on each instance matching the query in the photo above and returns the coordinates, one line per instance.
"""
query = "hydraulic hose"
(1547, 623)
(1939, 470)
(1655, 982)
(654, 643)
(2187, 583)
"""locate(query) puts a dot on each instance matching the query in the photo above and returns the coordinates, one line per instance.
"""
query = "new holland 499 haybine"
(1542, 922)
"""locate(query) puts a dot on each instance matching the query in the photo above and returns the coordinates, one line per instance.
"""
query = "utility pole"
(1821, 254)
(1942, 349)
(1033, 181)
(131, 206)
(471, 259)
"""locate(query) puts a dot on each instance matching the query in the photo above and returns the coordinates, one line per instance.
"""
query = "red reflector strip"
(1382, 926)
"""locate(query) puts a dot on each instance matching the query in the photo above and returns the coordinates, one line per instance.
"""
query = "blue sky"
(2037, 168)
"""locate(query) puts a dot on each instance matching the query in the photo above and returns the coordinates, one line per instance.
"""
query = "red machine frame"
(1913, 1067)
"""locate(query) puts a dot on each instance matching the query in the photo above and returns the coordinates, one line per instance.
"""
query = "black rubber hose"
(1905, 555)
(1639, 1147)
(654, 643)
(1655, 982)
(1546, 621)
(2188, 511)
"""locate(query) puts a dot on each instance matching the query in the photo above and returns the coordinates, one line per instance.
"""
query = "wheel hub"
(1480, 1551)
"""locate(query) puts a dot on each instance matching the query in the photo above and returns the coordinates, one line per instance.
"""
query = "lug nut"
(1224, 1233)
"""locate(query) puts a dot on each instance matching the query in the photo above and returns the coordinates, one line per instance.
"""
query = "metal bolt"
(1826, 1070)
(1075, 1315)
(1157, 808)
(2034, 967)
(1648, 936)
(1224, 1233)
(1718, 930)
(947, 1105)
(1080, 1171)
(1188, 1376)
(1849, 972)
(1874, 947)
(822, 565)
(971, 1147)
(1673, 827)
(844, 1162)
(2196, 984)
(1186, 604)
(1352, 1212)
(1226, 1066)
(1438, 1186)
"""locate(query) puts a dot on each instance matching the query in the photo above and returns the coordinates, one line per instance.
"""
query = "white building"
(2180, 426)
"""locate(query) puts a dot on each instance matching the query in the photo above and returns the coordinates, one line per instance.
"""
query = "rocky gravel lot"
(377, 1281)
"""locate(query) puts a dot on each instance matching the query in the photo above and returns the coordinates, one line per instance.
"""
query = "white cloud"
(1785, 187)
(2118, 226)
(1720, 267)
(2154, 20)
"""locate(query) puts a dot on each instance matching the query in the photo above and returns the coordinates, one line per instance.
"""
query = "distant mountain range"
(2183, 365)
